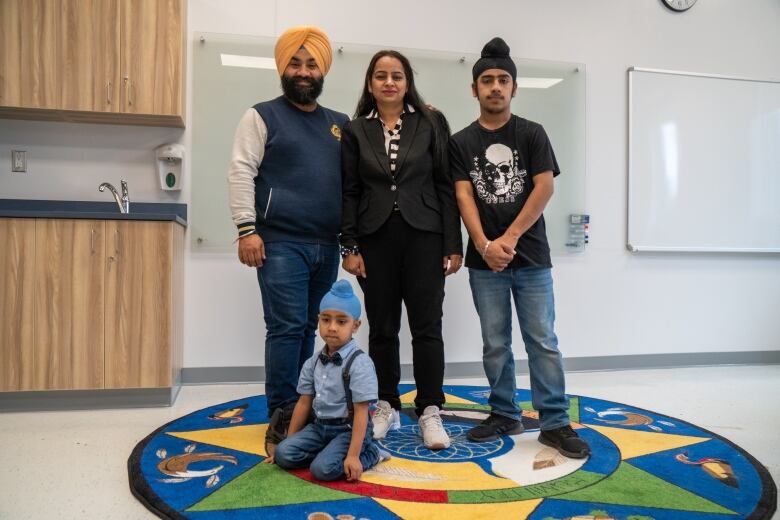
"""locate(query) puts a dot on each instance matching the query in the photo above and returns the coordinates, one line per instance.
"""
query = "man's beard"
(302, 94)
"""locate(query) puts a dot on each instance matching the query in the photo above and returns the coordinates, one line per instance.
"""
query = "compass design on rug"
(678, 471)
(405, 442)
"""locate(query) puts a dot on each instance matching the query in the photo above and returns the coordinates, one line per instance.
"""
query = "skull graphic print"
(496, 177)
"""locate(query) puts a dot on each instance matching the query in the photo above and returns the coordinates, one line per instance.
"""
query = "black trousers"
(405, 264)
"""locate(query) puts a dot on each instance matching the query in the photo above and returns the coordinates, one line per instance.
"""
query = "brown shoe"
(277, 428)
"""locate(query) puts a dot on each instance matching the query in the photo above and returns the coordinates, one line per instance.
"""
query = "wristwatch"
(349, 250)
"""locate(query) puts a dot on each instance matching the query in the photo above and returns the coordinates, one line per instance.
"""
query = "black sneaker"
(494, 426)
(277, 428)
(566, 441)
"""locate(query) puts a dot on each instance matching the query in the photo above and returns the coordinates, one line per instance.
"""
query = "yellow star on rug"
(633, 443)
(247, 438)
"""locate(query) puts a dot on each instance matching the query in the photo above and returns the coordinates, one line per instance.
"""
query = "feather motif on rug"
(402, 474)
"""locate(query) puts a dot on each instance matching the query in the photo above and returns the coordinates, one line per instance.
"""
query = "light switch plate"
(18, 161)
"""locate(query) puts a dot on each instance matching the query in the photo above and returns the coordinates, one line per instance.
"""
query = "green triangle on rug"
(459, 406)
(267, 485)
(574, 407)
(530, 492)
(631, 486)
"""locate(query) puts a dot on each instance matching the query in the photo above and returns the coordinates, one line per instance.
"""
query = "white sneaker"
(434, 436)
(384, 455)
(385, 419)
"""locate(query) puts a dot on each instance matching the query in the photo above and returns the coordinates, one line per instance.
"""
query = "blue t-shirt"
(324, 382)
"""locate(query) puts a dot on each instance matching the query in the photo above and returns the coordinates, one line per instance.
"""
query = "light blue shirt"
(324, 382)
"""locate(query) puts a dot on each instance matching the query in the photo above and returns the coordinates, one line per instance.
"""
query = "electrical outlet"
(18, 161)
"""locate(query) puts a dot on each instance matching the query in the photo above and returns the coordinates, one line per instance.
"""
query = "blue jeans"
(323, 449)
(293, 279)
(532, 289)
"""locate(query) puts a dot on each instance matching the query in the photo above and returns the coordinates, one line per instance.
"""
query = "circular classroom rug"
(207, 465)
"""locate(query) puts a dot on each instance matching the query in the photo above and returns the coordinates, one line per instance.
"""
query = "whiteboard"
(703, 162)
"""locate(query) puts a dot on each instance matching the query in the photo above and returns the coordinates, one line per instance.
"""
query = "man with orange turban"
(285, 198)
(310, 38)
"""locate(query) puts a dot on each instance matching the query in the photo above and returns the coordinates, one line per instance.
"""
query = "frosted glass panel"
(704, 167)
(223, 90)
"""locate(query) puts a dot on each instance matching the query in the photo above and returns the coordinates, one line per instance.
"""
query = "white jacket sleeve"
(248, 149)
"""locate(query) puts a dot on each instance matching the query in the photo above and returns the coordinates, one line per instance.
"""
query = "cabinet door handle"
(130, 91)
(126, 81)
(92, 241)
(116, 242)
(108, 92)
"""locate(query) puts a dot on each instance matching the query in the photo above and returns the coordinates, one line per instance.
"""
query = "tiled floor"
(73, 464)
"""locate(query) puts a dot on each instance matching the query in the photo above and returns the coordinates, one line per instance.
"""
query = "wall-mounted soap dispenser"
(169, 165)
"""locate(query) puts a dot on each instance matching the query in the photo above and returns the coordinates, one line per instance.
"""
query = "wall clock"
(679, 5)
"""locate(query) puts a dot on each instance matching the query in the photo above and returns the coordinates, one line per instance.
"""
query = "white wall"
(609, 302)
(67, 161)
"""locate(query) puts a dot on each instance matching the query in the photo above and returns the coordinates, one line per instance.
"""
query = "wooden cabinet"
(152, 47)
(28, 53)
(69, 310)
(140, 304)
(90, 304)
(100, 61)
(89, 55)
(17, 279)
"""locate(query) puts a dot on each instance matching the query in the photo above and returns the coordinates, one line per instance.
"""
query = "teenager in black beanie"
(503, 167)
(495, 55)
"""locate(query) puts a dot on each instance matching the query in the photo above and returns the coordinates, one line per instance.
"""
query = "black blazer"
(425, 194)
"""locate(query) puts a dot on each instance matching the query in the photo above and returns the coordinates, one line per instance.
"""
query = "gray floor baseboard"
(63, 400)
(256, 374)
(221, 375)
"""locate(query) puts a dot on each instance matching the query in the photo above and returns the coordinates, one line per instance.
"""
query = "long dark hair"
(441, 128)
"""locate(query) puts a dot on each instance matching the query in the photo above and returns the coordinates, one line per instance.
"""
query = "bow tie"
(336, 359)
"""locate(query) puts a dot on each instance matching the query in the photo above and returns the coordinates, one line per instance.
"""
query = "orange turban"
(313, 39)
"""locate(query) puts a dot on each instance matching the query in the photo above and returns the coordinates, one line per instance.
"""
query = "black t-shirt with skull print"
(501, 164)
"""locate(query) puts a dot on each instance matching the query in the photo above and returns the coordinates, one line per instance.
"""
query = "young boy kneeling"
(338, 382)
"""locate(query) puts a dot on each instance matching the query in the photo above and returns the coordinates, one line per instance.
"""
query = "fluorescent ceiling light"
(252, 62)
(537, 82)
(258, 62)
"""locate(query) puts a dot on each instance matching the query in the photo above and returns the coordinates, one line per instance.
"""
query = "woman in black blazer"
(400, 234)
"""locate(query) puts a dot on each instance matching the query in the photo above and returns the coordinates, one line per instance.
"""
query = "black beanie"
(495, 55)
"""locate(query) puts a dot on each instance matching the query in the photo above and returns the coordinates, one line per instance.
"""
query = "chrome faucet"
(124, 201)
